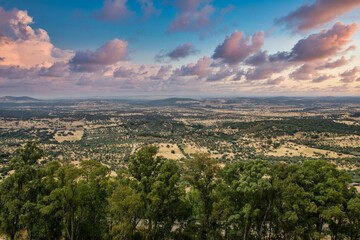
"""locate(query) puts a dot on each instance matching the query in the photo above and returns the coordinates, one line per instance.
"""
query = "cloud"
(199, 69)
(192, 16)
(265, 71)
(322, 78)
(227, 9)
(315, 14)
(237, 48)
(324, 44)
(16, 72)
(182, 51)
(309, 52)
(335, 64)
(14, 24)
(276, 81)
(257, 59)
(350, 75)
(114, 11)
(148, 9)
(108, 54)
(23, 46)
(162, 73)
(305, 72)
(58, 69)
(123, 72)
(310, 70)
(222, 74)
(179, 52)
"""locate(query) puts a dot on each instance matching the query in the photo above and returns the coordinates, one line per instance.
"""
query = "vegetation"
(162, 199)
(233, 129)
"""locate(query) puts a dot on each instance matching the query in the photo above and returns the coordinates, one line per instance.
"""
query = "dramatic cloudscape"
(193, 48)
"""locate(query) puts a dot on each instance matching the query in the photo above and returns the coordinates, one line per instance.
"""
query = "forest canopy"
(155, 198)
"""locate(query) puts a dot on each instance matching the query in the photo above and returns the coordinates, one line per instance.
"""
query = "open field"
(235, 129)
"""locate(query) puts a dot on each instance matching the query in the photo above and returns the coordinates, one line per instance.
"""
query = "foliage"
(243, 200)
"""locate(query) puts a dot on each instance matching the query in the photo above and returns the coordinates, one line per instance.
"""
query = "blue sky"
(71, 25)
(75, 27)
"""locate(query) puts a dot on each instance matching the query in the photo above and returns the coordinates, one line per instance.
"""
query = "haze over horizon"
(190, 48)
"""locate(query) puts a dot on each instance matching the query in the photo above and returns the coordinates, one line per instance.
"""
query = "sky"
(182, 48)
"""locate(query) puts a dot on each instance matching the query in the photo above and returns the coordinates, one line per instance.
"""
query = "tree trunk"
(149, 229)
(72, 227)
(246, 230)
(263, 221)
(270, 228)
(29, 234)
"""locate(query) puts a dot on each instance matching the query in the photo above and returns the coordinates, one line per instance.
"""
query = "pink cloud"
(108, 54)
(335, 64)
(276, 81)
(258, 58)
(200, 69)
(162, 73)
(189, 5)
(14, 24)
(310, 70)
(181, 51)
(322, 78)
(192, 15)
(265, 71)
(222, 74)
(350, 75)
(305, 72)
(114, 10)
(16, 72)
(21, 45)
(227, 9)
(58, 69)
(311, 52)
(324, 44)
(148, 9)
(237, 48)
(123, 72)
(315, 14)
(191, 21)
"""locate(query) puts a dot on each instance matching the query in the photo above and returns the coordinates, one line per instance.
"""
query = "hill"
(18, 99)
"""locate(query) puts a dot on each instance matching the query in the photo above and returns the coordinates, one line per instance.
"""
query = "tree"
(329, 192)
(353, 214)
(250, 196)
(79, 199)
(200, 173)
(157, 183)
(288, 218)
(125, 211)
(19, 191)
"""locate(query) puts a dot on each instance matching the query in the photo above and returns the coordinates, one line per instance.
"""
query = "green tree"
(125, 209)
(288, 218)
(157, 182)
(80, 200)
(329, 192)
(20, 190)
(353, 215)
(250, 196)
(200, 173)
(94, 225)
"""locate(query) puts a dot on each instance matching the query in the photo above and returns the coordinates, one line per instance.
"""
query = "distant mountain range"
(18, 99)
(184, 102)
(171, 101)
